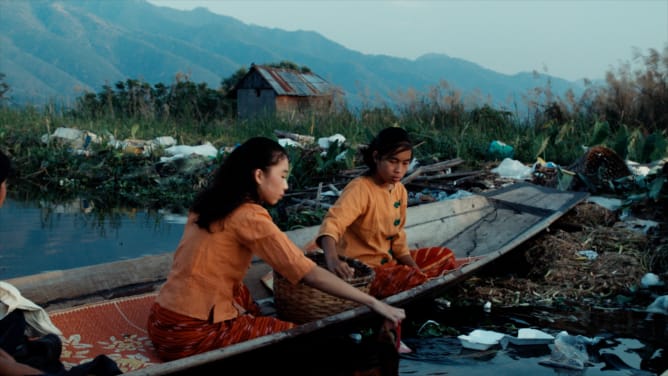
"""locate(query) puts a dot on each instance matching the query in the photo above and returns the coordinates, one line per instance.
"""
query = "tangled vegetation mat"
(588, 257)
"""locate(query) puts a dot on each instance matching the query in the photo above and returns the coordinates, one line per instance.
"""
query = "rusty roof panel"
(289, 82)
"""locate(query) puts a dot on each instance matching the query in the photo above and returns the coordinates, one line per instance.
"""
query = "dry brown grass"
(556, 274)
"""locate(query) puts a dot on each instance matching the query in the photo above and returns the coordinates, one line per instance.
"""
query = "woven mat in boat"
(116, 328)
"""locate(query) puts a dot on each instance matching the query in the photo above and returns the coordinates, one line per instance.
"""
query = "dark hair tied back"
(234, 183)
(389, 141)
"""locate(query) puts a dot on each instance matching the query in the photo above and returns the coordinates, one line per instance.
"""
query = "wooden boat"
(103, 308)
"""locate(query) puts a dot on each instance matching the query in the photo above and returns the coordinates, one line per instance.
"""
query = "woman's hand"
(408, 260)
(334, 263)
(326, 281)
(392, 314)
(340, 268)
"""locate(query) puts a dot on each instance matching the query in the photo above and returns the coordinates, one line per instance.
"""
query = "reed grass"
(629, 114)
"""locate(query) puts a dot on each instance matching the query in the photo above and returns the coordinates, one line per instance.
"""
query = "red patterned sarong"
(176, 336)
(434, 261)
(392, 279)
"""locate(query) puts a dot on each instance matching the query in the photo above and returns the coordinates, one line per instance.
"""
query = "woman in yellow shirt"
(367, 222)
(204, 305)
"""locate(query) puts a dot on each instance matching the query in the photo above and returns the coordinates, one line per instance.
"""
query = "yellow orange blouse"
(208, 266)
(367, 222)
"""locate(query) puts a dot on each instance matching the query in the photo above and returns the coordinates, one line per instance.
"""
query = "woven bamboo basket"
(301, 303)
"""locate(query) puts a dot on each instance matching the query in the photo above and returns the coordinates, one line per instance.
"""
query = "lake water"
(37, 238)
(614, 342)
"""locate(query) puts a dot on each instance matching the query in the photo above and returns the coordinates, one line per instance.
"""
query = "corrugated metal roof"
(290, 82)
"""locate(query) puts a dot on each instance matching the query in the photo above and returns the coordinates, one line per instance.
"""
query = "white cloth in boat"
(36, 317)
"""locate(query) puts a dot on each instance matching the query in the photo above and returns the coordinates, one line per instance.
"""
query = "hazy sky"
(569, 39)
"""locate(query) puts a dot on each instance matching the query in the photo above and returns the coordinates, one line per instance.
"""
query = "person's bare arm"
(324, 280)
(10, 367)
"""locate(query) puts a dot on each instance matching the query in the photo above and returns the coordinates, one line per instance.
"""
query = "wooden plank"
(537, 196)
(185, 364)
(426, 224)
(438, 166)
(420, 214)
(439, 231)
(497, 228)
(96, 282)
(452, 175)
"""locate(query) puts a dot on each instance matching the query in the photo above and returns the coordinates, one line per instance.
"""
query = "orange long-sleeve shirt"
(208, 266)
(367, 222)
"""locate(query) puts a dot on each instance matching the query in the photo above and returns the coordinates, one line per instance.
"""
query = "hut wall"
(255, 102)
(256, 97)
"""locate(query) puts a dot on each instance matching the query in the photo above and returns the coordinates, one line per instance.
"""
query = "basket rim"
(319, 258)
(303, 303)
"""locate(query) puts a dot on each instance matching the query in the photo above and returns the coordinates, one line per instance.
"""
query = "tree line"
(631, 100)
(140, 100)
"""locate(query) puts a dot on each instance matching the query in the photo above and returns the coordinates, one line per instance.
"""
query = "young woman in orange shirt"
(204, 305)
(367, 222)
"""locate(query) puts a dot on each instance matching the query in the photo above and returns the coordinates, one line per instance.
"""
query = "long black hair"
(389, 141)
(234, 182)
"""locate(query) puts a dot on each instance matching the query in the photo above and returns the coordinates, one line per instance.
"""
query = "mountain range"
(54, 51)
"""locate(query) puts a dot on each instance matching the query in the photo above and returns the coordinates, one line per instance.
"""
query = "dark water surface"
(36, 238)
(622, 342)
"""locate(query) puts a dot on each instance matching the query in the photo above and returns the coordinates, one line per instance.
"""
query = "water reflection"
(38, 237)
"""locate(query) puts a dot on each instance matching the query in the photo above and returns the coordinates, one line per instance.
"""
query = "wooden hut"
(286, 93)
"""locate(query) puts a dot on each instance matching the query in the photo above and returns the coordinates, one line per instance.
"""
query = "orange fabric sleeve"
(347, 209)
(367, 221)
(257, 230)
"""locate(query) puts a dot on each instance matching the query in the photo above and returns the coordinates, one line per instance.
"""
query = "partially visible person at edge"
(5, 166)
(367, 222)
(204, 304)
(21, 355)
(8, 365)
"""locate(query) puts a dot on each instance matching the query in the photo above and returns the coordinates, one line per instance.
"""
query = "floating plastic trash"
(326, 142)
(588, 254)
(570, 352)
(510, 168)
(206, 150)
(528, 337)
(429, 327)
(641, 225)
(499, 149)
(287, 142)
(480, 339)
(606, 202)
(659, 305)
(650, 279)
